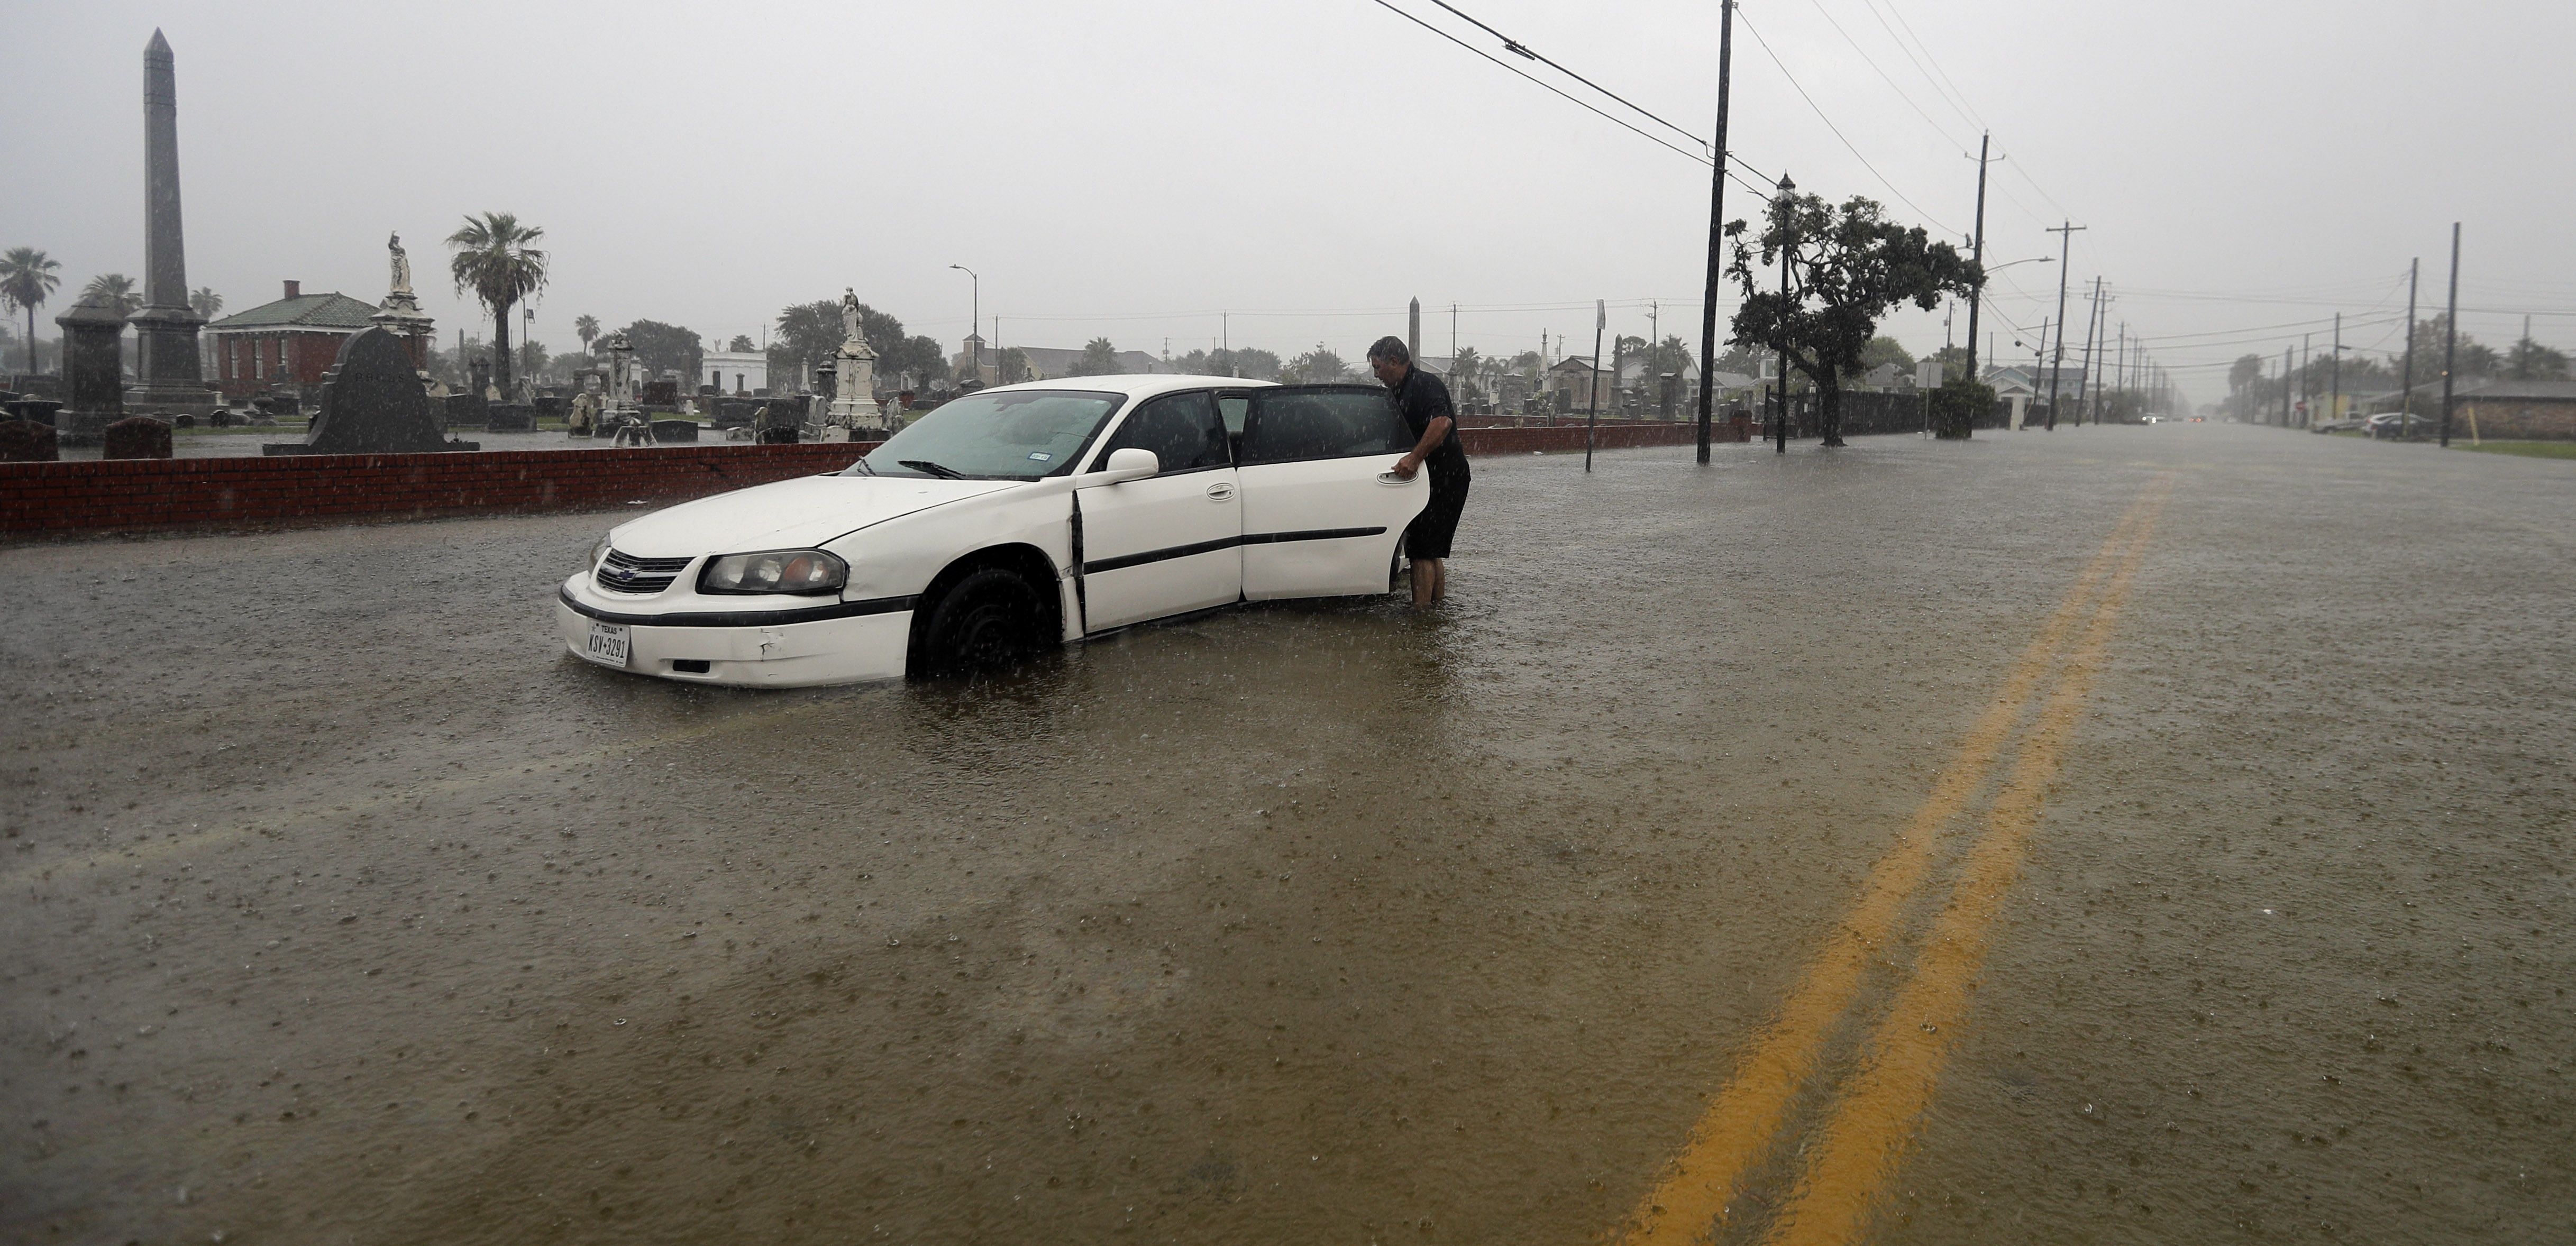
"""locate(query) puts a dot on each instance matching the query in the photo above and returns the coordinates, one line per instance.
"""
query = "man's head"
(1390, 360)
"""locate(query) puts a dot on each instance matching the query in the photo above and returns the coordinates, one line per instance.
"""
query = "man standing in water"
(1425, 403)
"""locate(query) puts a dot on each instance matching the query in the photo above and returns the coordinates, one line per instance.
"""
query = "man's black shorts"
(1431, 531)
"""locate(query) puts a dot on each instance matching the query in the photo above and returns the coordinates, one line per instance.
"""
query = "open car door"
(1321, 515)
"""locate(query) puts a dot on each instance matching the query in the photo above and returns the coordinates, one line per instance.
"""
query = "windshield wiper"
(935, 469)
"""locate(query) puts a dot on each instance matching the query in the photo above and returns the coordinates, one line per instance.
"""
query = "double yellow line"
(1855, 1150)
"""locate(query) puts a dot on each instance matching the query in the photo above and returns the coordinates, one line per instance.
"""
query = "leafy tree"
(921, 356)
(663, 347)
(1954, 363)
(1846, 267)
(1319, 366)
(1741, 359)
(2531, 361)
(740, 342)
(1011, 366)
(811, 333)
(27, 278)
(118, 289)
(1881, 350)
(1250, 362)
(1099, 358)
(2241, 376)
(496, 263)
(587, 329)
(532, 356)
(206, 303)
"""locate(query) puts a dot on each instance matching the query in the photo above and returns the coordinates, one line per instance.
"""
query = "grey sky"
(1130, 170)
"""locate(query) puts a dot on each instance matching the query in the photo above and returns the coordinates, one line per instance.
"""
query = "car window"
(1181, 429)
(1315, 422)
(1232, 407)
(1015, 434)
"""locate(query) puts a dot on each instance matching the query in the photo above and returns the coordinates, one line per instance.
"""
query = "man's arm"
(1434, 430)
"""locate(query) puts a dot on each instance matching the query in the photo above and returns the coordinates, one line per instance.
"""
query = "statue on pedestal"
(850, 331)
(401, 266)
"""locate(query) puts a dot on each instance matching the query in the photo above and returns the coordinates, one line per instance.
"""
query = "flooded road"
(2133, 834)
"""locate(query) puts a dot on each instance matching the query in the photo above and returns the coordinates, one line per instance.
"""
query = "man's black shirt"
(1422, 397)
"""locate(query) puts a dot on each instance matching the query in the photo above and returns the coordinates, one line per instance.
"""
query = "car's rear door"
(1321, 516)
(1170, 543)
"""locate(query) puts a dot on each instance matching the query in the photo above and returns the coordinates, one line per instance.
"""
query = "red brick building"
(293, 340)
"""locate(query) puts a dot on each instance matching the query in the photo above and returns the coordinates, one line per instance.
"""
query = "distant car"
(1008, 520)
(2385, 424)
(2352, 424)
(2152, 419)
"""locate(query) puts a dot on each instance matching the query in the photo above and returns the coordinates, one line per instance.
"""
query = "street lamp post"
(974, 322)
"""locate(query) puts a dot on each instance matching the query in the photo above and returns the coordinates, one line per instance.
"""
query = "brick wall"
(133, 495)
(139, 494)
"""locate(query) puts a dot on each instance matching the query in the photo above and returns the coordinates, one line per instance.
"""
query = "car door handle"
(1221, 491)
(1390, 478)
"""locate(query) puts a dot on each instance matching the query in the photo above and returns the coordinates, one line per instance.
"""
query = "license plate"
(607, 644)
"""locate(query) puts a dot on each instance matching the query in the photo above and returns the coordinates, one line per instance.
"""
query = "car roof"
(1134, 385)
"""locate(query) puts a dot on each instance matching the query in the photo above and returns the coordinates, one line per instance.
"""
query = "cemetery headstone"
(466, 410)
(26, 441)
(41, 410)
(510, 417)
(136, 437)
(667, 431)
(372, 403)
(664, 394)
(93, 367)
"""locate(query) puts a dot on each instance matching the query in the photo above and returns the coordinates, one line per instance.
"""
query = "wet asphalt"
(342, 906)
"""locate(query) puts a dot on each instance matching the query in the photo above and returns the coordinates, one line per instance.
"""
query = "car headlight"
(776, 571)
(597, 552)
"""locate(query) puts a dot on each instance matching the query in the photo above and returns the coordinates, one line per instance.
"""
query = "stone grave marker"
(663, 394)
(26, 441)
(372, 403)
(510, 417)
(136, 437)
(667, 431)
(93, 368)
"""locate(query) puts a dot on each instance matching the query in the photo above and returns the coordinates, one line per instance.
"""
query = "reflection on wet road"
(2122, 834)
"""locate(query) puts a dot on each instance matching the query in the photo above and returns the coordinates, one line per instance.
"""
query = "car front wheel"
(984, 620)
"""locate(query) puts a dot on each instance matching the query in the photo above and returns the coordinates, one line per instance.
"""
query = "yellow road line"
(1739, 1124)
(198, 841)
(1866, 1136)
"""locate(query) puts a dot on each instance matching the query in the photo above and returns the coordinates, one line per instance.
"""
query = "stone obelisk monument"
(165, 327)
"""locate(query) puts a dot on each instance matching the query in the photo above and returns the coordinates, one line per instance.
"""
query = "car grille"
(622, 572)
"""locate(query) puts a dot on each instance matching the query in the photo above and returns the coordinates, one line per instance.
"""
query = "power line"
(1551, 88)
(1518, 48)
(1955, 98)
(1882, 74)
(1829, 124)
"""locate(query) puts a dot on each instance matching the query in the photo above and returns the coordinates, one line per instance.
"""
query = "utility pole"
(2451, 335)
(2285, 385)
(2065, 248)
(974, 323)
(1977, 244)
(2039, 360)
(2306, 417)
(2406, 382)
(1592, 392)
(1716, 225)
(2090, 387)
(1788, 247)
(2334, 373)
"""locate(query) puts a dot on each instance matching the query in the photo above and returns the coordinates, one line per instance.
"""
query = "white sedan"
(1007, 520)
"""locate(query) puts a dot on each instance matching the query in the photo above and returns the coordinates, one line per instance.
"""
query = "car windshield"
(1019, 434)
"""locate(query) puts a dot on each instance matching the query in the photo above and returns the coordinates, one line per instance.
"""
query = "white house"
(736, 371)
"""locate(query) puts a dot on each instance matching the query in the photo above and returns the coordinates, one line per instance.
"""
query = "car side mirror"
(1124, 465)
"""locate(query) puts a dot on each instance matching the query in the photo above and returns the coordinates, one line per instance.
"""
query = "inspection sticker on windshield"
(1040, 455)
(607, 644)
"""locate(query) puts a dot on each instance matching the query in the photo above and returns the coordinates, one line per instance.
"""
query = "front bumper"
(751, 653)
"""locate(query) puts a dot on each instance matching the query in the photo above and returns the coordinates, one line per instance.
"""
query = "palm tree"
(116, 288)
(206, 302)
(585, 328)
(1465, 367)
(26, 280)
(495, 264)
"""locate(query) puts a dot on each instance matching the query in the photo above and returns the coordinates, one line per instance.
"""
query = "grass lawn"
(2528, 449)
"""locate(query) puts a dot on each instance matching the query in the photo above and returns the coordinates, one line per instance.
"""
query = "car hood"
(789, 514)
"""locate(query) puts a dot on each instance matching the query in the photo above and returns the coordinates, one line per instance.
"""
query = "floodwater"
(2136, 834)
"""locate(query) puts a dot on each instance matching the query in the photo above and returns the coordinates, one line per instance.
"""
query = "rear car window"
(1289, 425)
